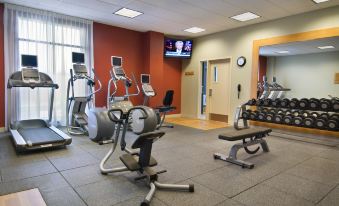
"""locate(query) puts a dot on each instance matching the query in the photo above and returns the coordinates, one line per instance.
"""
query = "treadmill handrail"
(19, 83)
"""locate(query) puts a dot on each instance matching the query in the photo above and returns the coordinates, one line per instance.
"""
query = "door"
(219, 90)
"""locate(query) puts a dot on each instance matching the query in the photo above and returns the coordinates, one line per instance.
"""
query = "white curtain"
(52, 37)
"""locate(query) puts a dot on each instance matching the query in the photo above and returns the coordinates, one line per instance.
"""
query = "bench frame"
(232, 157)
(259, 139)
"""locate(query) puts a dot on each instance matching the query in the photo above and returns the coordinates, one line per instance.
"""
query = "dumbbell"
(276, 103)
(270, 116)
(267, 102)
(321, 120)
(285, 103)
(314, 103)
(325, 104)
(333, 122)
(303, 104)
(335, 105)
(278, 117)
(309, 121)
(246, 114)
(254, 115)
(299, 117)
(262, 116)
(294, 103)
(251, 102)
(288, 117)
(260, 102)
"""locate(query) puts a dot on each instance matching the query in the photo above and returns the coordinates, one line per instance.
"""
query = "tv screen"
(178, 48)
(29, 60)
(78, 57)
(116, 61)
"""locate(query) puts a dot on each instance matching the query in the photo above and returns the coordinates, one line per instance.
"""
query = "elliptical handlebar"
(113, 81)
(92, 79)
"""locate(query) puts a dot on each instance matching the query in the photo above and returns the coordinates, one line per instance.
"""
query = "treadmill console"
(80, 69)
(30, 75)
(118, 73)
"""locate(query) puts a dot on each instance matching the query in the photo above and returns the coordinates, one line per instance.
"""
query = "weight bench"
(251, 136)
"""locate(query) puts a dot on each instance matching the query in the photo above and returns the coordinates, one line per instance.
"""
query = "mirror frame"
(303, 36)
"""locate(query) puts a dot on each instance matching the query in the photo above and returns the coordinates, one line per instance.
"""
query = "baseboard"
(173, 115)
(2, 129)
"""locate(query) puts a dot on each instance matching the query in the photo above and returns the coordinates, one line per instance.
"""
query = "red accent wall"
(114, 41)
(142, 53)
(2, 68)
(155, 65)
(172, 80)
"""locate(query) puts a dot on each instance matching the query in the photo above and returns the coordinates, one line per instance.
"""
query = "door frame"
(226, 59)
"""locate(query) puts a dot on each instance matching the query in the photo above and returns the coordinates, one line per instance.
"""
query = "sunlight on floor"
(197, 123)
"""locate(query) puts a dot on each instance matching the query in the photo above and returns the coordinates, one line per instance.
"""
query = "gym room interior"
(169, 102)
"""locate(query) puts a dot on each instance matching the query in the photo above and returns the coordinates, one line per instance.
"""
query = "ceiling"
(304, 47)
(173, 16)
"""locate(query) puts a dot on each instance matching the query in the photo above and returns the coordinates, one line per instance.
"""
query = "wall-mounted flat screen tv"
(178, 48)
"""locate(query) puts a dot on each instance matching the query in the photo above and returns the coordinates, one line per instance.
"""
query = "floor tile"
(201, 196)
(137, 200)
(226, 186)
(331, 154)
(63, 197)
(230, 202)
(27, 170)
(331, 199)
(300, 187)
(108, 192)
(83, 175)
(261, 195)
(321, 175)
(74, 161)
(45, 183)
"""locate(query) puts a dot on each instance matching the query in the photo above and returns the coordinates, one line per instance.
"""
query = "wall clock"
(241, 61)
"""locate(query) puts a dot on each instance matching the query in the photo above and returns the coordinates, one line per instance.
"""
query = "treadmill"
(34, 134)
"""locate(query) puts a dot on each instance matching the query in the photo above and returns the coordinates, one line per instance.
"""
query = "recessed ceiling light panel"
(319, 1)
(128, 13)
(194, 30)
(282, 52)
(326, 47)
(245, 16)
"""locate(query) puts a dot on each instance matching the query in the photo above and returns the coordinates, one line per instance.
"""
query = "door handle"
(210, 92)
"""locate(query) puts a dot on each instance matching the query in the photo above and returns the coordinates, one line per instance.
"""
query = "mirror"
(307, 68)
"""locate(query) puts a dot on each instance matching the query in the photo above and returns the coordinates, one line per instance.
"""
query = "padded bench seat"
(131, 161)
(256, 136)
(245, 133)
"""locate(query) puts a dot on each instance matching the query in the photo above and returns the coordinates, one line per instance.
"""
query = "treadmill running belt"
(39, 136)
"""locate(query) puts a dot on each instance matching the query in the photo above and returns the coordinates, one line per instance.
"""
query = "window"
(53, 38)
(215, 74)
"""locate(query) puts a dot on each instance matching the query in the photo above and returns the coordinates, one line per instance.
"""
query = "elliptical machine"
(94, 122)
(118, 74)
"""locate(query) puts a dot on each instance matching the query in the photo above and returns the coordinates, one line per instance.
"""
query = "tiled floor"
(292, 173)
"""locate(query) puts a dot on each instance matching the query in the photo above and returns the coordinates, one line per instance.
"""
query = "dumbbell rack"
(265, 111)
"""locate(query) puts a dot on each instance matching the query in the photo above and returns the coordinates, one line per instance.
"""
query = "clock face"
(241, 61)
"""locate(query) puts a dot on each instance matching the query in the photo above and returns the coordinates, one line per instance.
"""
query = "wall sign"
(189, 73)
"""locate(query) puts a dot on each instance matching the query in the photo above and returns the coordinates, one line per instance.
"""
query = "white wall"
(239, 42)
(309, 75)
